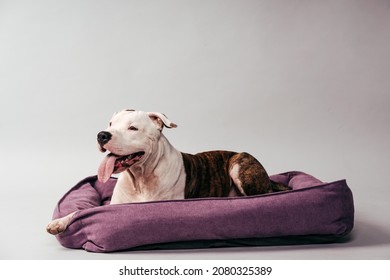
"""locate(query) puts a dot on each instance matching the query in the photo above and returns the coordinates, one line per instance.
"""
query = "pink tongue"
(106, 168)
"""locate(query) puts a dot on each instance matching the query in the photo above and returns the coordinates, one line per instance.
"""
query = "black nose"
(103, 137)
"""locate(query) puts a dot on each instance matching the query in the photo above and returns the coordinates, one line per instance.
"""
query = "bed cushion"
(312, 212)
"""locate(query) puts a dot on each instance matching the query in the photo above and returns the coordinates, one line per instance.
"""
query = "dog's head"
(129, 138)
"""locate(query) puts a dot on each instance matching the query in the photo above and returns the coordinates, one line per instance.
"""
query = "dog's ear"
(161, 120)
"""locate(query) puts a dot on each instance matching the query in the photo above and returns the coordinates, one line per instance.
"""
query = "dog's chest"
(130, 188)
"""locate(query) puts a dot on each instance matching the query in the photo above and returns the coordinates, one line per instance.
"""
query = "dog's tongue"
(106, 168)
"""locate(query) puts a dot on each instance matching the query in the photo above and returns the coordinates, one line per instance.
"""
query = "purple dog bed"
(312, 212)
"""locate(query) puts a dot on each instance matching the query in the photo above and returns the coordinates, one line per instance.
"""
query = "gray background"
(302, 85)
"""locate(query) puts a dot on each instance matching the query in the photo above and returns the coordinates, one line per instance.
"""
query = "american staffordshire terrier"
(152, 169)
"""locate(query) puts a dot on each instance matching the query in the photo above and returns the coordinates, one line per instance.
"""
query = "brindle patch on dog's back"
(207, 174)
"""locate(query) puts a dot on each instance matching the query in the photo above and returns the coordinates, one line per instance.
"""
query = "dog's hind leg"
(248, 175)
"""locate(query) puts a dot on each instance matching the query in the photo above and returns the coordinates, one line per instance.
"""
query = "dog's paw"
(59, 225)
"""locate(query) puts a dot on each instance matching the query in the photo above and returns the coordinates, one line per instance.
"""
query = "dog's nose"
(103, 137)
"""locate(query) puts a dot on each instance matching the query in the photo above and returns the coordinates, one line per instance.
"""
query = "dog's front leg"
(59, 225)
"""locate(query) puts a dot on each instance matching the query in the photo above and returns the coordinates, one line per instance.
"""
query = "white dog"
(152, 169)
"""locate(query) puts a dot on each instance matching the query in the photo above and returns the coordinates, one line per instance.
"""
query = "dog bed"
(312, 212)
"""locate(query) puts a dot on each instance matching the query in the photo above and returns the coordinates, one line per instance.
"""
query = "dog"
(152, 169)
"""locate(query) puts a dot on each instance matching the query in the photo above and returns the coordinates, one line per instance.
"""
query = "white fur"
(160, 174)
(234, 174)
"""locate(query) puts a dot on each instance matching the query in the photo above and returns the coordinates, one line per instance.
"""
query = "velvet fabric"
(312, 212)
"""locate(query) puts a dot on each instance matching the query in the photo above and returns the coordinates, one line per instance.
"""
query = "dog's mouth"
(124, 162)
(115, 164)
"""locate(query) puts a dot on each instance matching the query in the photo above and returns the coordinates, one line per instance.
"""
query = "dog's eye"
(110, 124)
(133, 128)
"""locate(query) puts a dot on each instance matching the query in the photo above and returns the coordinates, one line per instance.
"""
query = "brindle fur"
(207, 175)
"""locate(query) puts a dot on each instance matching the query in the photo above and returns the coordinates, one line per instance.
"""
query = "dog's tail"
(279, 187)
